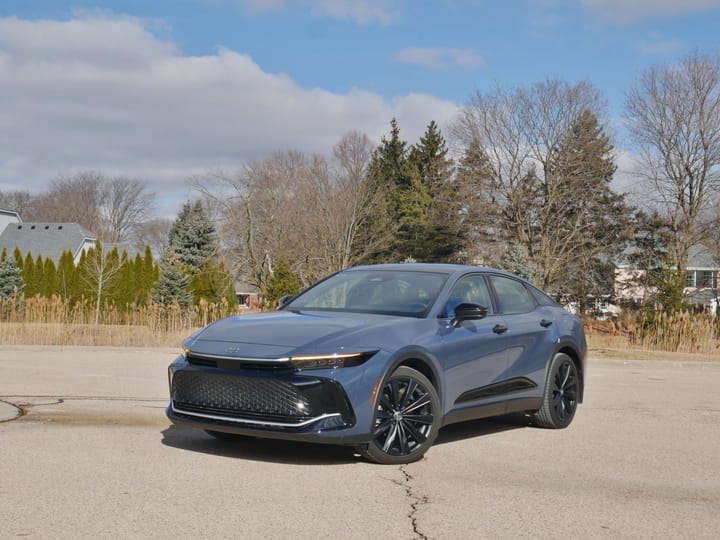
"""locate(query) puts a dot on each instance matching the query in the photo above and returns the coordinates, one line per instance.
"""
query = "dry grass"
(52, 321)
(666, 336)
(43, 321)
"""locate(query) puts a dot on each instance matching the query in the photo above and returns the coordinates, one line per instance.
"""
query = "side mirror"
(285, 299)
(468, 312)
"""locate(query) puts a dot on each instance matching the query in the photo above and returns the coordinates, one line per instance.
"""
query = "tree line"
(524, 183)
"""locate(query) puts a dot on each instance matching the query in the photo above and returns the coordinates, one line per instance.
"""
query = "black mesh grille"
(238, 396)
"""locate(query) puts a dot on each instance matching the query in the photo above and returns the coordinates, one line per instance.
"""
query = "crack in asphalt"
(417, 502)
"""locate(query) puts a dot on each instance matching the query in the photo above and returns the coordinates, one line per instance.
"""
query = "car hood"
(275, 335)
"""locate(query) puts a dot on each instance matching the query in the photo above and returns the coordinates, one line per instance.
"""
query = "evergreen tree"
(49, 283)
(579, 221)
(282, 283)
(28, 268)
(173, 284)
(11, 278)
(65, 282)
(39, 276)
(213, 283)
(437, 229)
(192, 237)
(478, 207)
(516, 260)
(18, 257)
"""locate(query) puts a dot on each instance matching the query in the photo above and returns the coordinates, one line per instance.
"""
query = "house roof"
(700, 257)
(10, 213)
(46, 239)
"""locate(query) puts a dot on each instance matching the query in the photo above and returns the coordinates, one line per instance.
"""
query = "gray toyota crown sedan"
(381, 357)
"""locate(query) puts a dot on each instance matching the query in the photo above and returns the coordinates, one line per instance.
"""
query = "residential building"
(49, 240)
(8, 217)
(701, 288)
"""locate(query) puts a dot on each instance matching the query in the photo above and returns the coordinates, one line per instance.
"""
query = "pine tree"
(173, 284)
(11, 279)
(192, 237)
(582, 221)
(437, 230)
(516, 260)
(282, 283)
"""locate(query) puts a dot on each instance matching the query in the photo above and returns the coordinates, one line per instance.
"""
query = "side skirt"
(492, 409)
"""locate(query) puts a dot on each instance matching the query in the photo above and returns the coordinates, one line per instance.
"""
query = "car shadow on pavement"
(478, 428)
(300, 453)
(257, 449)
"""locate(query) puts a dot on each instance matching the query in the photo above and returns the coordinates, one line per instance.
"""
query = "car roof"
(431, 267)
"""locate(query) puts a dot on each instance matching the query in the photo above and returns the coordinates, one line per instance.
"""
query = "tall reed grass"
(54, 321)
(682, 331)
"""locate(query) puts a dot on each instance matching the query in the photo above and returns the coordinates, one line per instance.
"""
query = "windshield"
(386, 292)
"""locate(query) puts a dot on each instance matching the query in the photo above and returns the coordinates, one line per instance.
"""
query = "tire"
(397, 436)
(561, 393)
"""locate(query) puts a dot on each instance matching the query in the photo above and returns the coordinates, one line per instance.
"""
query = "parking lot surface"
(93, 456)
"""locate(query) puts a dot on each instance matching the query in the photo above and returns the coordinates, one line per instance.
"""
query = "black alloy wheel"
(407, 418)
(561, 394)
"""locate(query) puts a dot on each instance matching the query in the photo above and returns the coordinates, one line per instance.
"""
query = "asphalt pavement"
(92, 456)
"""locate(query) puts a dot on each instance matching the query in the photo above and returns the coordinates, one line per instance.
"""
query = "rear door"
(529, 328)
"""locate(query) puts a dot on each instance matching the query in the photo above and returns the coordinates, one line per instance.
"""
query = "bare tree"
(536, 194)
(125, 205)
(153, 233)
(76, 198)
(673, 114)
(98, 273)
(112, 208)
(19, 201)
(301, 207)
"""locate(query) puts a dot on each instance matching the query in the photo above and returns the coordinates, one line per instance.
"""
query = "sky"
(170, 90)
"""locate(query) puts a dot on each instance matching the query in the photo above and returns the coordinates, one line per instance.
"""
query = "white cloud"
(657, 46)
(361, 11)
(440, 58)
(623, 11)
(106, 94)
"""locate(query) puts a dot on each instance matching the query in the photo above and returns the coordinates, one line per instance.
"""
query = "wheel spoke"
(421, 402)
(390, 438)
(394, 392)
(416, 434)
(382, 428)
(412, 385)
(404, 448)
(419, 418)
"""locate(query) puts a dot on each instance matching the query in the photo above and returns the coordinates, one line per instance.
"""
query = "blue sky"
(168, 90)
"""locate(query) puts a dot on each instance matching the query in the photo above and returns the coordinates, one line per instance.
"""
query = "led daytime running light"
(330, 361)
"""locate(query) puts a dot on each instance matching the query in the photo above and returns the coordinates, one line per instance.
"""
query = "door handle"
(500, 329)
(545, 323)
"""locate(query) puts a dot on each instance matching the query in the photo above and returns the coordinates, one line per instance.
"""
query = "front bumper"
(281, 404)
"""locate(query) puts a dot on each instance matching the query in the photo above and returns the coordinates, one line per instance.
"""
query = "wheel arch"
(570, 350)
(419, 360)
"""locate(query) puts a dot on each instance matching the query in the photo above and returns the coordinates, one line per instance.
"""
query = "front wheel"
(406, 420)
(561, 394)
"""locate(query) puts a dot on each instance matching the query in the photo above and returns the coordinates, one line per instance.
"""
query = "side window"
(512, 296)
(471, 289)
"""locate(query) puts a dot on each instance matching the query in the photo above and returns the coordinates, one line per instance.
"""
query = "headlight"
(329, 361)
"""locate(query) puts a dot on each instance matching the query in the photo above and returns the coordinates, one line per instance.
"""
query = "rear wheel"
(561, 394)
(406, 420)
